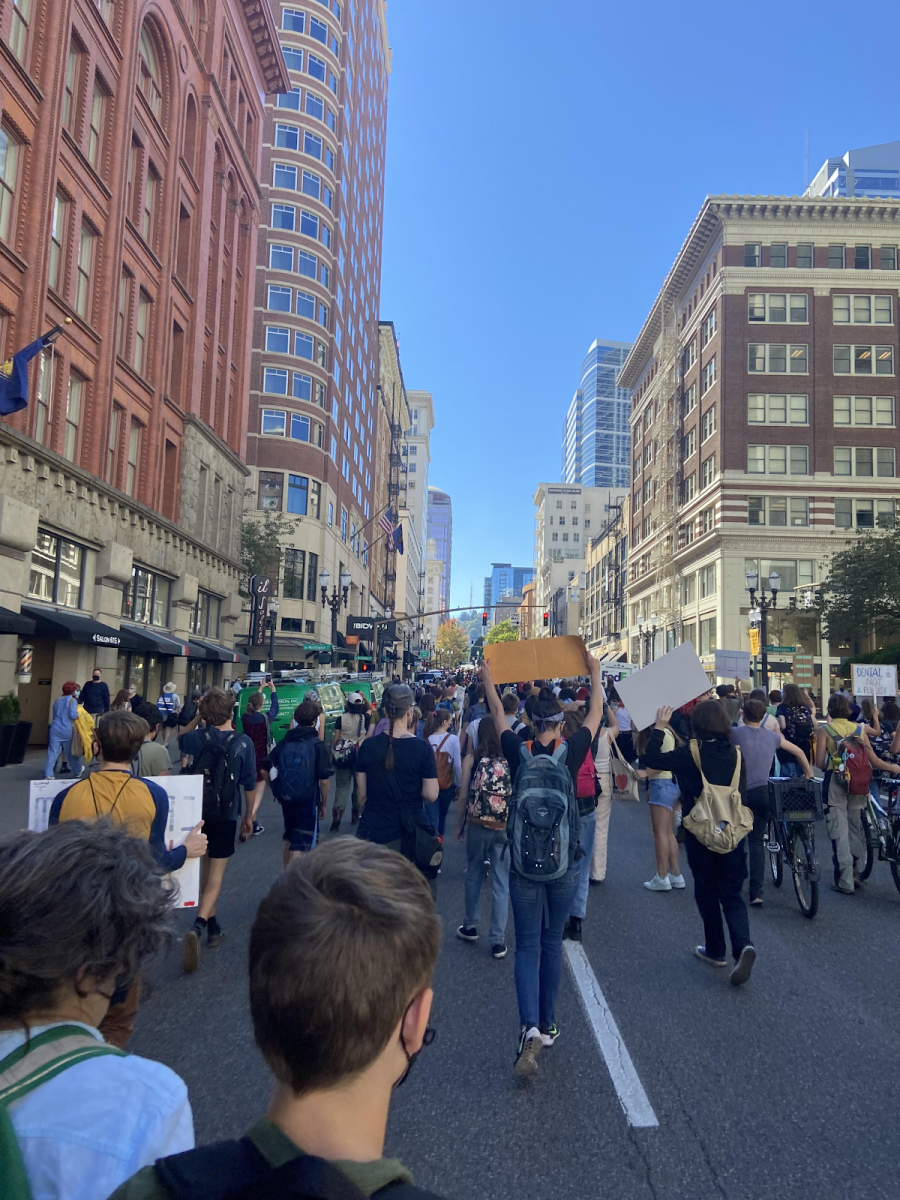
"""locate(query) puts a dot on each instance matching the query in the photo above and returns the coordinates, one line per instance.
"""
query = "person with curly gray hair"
(82, 906)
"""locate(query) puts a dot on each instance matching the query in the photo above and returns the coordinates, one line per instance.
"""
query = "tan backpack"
(718, 818)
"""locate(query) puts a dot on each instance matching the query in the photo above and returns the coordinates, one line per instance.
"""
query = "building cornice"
(263, 34)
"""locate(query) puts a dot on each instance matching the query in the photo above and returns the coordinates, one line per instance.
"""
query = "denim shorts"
(663, 792)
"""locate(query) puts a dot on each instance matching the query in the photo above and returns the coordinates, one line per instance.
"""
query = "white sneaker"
(659, 885)
(677, 881)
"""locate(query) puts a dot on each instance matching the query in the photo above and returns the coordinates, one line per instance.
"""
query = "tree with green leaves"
(862, 592)
(452, 644)
(262, 535)
(502, 632)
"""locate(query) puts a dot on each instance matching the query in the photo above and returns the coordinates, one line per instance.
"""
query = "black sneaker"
(572, 930)
(498, 951)
(468, 933)
(335, 822)
(530, 1045)
(214, 935)
(258, 829)
(549, 1033)
(190, 954)
(755, 900)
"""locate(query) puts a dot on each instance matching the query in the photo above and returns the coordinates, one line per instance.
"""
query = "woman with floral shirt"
(486, 781)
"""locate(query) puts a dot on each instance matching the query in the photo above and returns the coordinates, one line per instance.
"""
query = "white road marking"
(624, 1077)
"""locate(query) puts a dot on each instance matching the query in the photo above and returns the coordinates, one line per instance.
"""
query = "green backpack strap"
(26, 1068)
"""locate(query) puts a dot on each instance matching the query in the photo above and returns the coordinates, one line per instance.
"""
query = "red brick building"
(764, 419)
(130, 145)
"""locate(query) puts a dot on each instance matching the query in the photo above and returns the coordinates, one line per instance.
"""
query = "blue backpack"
(543, 821)
(296, 763)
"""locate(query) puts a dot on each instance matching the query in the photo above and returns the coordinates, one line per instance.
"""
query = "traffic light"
(546, 620)
(484, 620)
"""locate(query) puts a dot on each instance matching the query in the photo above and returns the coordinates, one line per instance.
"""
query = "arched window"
(150, 81)
(190, 134)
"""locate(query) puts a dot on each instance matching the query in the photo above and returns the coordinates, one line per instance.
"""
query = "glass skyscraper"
(596, 442)
(439, 526)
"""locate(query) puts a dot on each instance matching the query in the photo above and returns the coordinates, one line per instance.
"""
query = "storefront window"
(57, 571)
(205, 615)
(146, 598)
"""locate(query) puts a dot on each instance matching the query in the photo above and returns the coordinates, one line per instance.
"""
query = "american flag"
(385, 523)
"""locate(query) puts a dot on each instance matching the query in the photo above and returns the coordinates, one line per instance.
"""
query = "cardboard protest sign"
(874, 679)
(733, 664)
(537, 658)
(185, 794)
(673, 679)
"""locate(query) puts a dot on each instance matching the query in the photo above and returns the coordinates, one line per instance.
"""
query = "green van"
(290, 695)
(372, 689)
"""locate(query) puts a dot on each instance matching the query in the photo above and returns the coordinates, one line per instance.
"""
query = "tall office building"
(871, 171)
(505, 580)
(596, 441)
(312, 435)
(439, 526)
(414, 462)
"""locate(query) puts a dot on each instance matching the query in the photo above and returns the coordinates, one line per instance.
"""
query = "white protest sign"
(185, 794)
(733, 664)
(874, 679)
(674, 679)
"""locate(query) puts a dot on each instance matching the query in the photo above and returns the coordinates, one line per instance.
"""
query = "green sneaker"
(549, 1033)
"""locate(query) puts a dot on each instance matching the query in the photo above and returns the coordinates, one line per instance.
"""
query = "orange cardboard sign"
(538, 658)
(352, 639)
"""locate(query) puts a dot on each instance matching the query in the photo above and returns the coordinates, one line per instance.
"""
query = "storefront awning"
(215, 653)
(73, 627)
(155, 642)
(13, 622)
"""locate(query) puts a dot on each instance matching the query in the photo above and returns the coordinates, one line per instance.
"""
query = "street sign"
(260, 585)
(515, 620)
(781, 649)
(804, 671)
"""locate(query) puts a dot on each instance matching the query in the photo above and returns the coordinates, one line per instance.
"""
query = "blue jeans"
(437, 809)
(586, 831)
(57, 743)
(789, 770)
(540, 911)
(487, 845)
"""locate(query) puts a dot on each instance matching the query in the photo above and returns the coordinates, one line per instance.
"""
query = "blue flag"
(14, 377)
(397, 539)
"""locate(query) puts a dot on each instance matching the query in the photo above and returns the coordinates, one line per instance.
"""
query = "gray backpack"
(543, 820)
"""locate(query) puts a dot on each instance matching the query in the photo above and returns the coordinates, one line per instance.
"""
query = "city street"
(786, 1087)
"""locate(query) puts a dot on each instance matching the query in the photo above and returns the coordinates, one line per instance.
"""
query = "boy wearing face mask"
(95, 695)
(341, 957)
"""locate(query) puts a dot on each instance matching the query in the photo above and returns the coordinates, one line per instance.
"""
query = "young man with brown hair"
(298, 770)
(342, 952)
(227, 762)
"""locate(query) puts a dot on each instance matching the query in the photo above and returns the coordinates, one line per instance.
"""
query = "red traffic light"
(484, 618)
(546, 620)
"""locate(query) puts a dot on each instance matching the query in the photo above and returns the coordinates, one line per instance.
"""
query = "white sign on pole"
(732, 664)
(874, 679)
(515, 620)
(185, 794)
(674, 679)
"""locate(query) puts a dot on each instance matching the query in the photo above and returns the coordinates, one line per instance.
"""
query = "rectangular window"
(95, 123)
(778, 460)
(773, 358)
(293, 58)
(858, 360)
(864, 410)
(707, 520)
(112, 444)
(271, 485)
(864, 461)
(804, 256)
(889, 258)
(284, 176)
(279, 299)
(141, 332)
(281, 258)
(9, 162)
(57, 571)
(708, 328)
(778, 308)
(275, 382)
(836, 258)
(312, 576)
(306, 264)
(302, 387)
(778, 254)
(18, 31)
(284, 216)
(708, 376)
(864, 514)
(309, 224)
(343, 524)
(132, 472)
(73, 415)
(289, 99)
(298, 495)
(287, 137)
(273, 422)
(707, 471)
(707, 581)
(84, 270)
(690, 355)
(765, 409)
(303, 346)
(862, 258)
(708, 644)
(311, 185)
(708, 424)
(294, 574)
(688, 446)
(315, 67)
(58, 223)
(688, 488)
(315, 106)
(751, 254)
(299, 428)
(690, 399)
(312, 144)
(70, 86)
(306, 305)
(318, 30)
(293, 19)
(278, 340)
(862, 310)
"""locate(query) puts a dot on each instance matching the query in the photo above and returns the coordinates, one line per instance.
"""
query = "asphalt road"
(787, 1087)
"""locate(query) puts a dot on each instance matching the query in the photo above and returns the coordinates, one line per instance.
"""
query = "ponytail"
(393, 712)
(435, 720)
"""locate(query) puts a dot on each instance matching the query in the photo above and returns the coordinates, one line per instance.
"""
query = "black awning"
(154, 641)
(215, 653)
(13, 622)
(72, 627)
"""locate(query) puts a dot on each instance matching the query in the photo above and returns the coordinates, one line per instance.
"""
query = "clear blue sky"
(544, 164)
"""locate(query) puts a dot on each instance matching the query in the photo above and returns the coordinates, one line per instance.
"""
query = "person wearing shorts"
(299, 769)
(663, 794)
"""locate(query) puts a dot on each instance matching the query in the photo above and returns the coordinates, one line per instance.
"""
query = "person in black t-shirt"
(539, 937)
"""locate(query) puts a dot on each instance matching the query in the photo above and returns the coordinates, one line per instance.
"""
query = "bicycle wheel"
(870, 838)
(806, 872)
(776, 856)
(895, 859)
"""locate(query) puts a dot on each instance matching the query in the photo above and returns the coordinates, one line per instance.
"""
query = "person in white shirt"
(83, 906)
(438, 734)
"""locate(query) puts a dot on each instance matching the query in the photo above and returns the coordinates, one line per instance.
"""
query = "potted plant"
(10, 712)
(21, 732)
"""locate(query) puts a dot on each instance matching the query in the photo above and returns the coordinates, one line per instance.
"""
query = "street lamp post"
(273, 622)
(336, 599)
(762, 604)
(646, 634)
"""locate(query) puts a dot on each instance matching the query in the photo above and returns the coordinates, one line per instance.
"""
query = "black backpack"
(236, 1170)
(221, 792)
(798, 727)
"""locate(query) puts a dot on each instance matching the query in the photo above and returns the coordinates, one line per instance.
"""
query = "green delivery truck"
(290, 695)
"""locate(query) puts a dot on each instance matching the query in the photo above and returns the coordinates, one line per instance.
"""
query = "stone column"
(18, 533)
(114, 564)
(182, 598)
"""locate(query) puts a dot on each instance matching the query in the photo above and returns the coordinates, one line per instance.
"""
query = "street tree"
(262, 535)
(452, 644)
(861, 591)
(502, 632)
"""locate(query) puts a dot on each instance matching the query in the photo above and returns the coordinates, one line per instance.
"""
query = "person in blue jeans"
(65, 710)
(540, 910)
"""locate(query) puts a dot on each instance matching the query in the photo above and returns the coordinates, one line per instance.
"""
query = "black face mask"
(427, 1039)
(96, 679)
